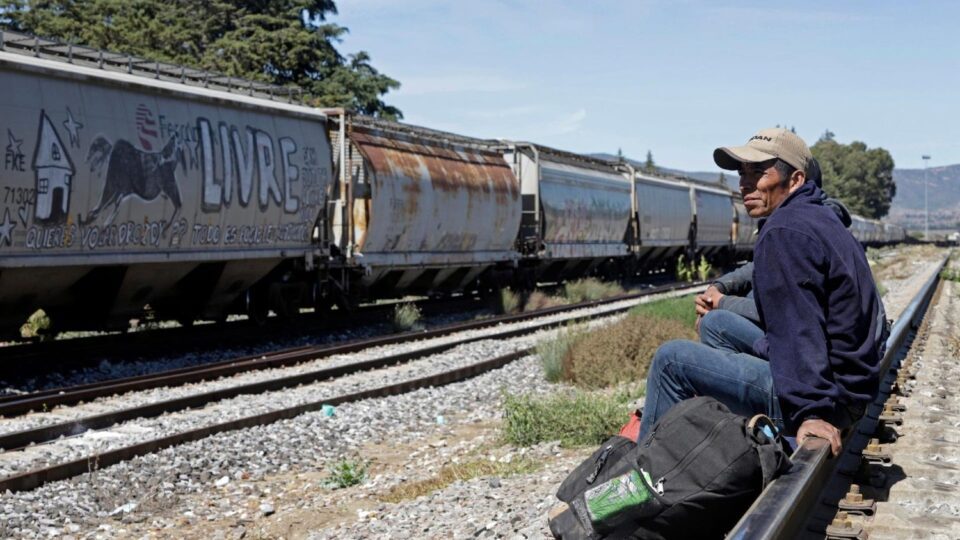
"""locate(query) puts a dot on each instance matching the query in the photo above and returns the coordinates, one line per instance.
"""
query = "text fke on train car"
(418, 209)
(576, 209)
(120, 191)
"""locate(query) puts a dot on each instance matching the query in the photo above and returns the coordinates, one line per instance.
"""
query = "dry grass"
(585, 290)
(897, 262)
(460, 472)
(620, 353)
(539, 300)
(506, 302)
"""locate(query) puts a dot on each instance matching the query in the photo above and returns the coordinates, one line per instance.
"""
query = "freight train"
(133, 187)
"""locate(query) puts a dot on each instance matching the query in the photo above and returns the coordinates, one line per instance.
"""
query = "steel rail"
(786, 504)
(46, 399)
(36, 478)
(20, 439)
(35, 359)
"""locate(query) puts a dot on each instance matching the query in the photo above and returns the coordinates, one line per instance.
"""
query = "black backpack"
(693, 476)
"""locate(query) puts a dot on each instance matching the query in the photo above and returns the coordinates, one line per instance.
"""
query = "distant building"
(54, 173)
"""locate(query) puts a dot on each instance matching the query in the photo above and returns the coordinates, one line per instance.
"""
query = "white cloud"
(568, 123)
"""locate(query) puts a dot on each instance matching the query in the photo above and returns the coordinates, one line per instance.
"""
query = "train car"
(576, 211)
(416, 209)
(858, 228)
(714, 214)
(664, 210)
(122, 190)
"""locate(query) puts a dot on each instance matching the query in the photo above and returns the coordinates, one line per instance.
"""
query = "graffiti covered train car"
(120, 191)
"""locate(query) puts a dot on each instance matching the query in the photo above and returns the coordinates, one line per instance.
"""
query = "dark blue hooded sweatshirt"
(819, 305)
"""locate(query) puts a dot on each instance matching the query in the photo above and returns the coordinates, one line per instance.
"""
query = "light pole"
(926, 204)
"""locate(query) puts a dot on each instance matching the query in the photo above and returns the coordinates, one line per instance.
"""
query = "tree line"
(282, 42)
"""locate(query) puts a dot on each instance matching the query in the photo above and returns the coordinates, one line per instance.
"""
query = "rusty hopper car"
(416, 209)
(576, 211)
(121, 191)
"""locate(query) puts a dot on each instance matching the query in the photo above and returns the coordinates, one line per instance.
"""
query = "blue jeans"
(727, 331)
(684, 369)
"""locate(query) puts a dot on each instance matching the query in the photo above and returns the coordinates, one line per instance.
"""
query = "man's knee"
(711, 327)
(715, 320)
(669, 353)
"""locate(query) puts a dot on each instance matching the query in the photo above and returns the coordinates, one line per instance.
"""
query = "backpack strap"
(767, 446)
(768, 462)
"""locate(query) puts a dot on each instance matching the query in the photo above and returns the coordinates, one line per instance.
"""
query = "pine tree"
(283, 42)
(649, 166)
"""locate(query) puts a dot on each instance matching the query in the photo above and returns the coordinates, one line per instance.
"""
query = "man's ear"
(797, 179)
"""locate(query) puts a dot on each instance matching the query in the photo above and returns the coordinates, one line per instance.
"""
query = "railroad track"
(810, 501)
(37, 361)
(24, 360)
(34, 478)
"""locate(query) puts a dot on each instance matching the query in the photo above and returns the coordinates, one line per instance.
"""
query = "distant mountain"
(943, 192)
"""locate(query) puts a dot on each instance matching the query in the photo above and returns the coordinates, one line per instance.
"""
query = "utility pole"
(926, 204)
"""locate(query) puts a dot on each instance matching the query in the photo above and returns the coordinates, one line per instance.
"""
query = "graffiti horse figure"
(131, 171)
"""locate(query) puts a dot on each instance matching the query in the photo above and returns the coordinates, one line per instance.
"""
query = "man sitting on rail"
(818, 360)
(727, 316)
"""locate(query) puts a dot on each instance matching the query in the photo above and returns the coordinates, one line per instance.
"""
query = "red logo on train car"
(146, 127)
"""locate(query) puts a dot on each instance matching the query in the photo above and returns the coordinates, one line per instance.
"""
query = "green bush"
(683, 270)
(553, 351)
(704, 269)
(37, 325)
(580, 419)
(346, 472)
(406, 317)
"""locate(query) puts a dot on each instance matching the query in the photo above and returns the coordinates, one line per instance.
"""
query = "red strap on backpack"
(631, 429)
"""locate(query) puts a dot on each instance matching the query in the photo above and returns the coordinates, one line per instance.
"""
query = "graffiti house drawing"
(54, 171)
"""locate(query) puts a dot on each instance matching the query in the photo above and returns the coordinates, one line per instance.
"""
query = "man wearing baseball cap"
(816, 367)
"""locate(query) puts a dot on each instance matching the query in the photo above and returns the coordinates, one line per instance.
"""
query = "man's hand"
(708, 300)
(816, 427)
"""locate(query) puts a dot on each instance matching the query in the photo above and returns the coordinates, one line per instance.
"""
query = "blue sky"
(677, 77)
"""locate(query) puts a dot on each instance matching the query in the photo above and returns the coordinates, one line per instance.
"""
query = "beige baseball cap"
(765, 145)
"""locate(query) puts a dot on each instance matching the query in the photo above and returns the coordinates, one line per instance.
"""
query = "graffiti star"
(6, 228)
(73, 128)
(14, 143)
